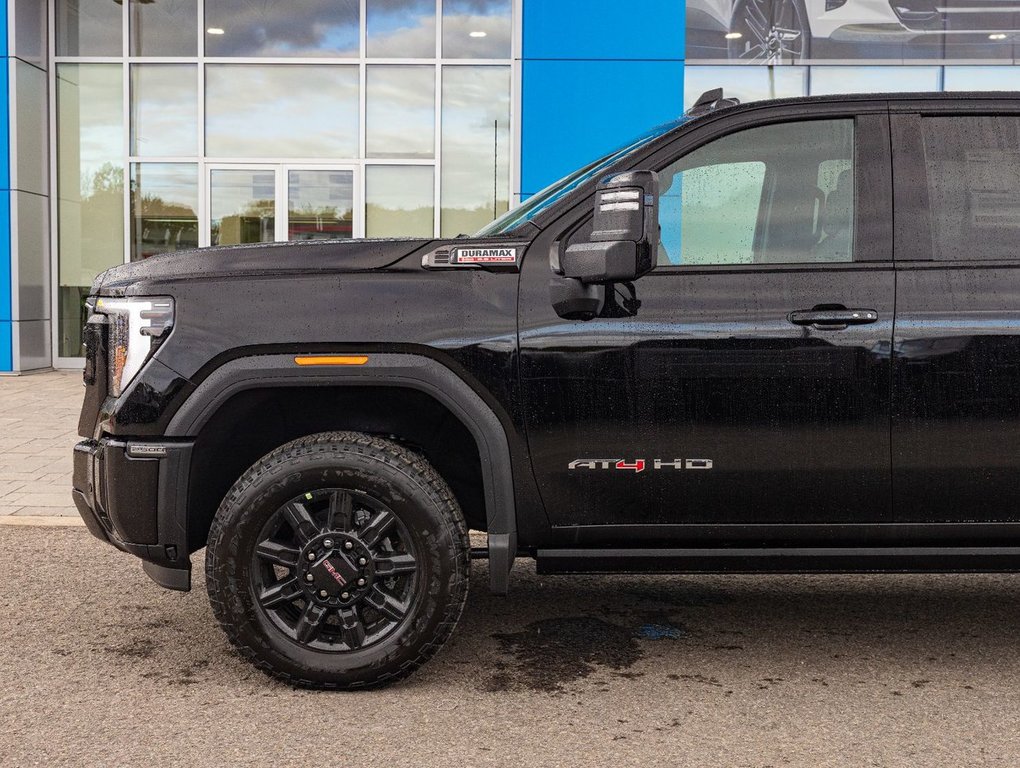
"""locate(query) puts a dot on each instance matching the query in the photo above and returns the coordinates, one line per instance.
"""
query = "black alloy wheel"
(770, 32)
(334, 569)
(339, 560)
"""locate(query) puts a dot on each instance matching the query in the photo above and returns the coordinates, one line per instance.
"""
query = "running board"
(790, 560)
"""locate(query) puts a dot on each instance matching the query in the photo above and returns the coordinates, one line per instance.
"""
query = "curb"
(42, 521)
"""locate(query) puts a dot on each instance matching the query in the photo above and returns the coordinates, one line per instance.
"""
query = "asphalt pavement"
(99, 667)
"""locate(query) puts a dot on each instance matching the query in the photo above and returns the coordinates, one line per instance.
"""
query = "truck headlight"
(136, 327)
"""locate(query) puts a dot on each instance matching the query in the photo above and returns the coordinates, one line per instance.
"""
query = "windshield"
(536, 204)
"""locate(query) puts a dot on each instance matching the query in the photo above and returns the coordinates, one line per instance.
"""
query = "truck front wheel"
(339, 560)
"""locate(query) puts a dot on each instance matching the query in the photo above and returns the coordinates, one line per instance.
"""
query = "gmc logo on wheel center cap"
(639, 465)
(334, 573)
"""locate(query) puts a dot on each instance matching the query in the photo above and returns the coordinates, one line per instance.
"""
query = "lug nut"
(309, 577)
(361, 582)
(345, 595)
(311, 556)
(348, 545)
(323, 593)
(328, 543)
(362, 561)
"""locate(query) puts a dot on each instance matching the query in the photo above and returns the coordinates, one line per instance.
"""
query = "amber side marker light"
(331, 359)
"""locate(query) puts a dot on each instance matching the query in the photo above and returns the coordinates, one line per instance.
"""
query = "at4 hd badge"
(640, 465)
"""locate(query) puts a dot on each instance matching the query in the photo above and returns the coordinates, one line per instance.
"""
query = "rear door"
(751, 384)
(956, 396)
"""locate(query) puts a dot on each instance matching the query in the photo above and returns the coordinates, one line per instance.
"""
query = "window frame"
(873, 209)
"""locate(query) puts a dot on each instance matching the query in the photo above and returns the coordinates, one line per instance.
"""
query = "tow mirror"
(625, 231)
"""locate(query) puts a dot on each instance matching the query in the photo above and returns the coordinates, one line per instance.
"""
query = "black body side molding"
(786, 560)
(389, 370)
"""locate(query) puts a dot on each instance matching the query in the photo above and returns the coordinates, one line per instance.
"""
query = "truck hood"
(327, 256)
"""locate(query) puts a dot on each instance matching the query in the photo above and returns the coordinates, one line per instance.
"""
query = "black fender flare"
(390, 370)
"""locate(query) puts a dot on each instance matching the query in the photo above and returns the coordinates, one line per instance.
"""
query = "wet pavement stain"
(660, 632)
(552, 653)
(136, 649)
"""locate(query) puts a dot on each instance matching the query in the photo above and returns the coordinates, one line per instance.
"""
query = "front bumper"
(133, 495)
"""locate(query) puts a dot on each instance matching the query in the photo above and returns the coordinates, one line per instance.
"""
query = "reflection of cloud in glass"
(475, 143)
(401, 28)
(282, 110)
(273, 28)
(90, 172)
(164, 109)
(319, 190)
(400, 106)
(90, 118)
(165, 186)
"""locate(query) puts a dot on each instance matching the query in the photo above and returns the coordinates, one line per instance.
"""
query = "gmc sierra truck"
(770, 337)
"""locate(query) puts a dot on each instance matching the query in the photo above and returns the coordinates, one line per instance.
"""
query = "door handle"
(833, 319)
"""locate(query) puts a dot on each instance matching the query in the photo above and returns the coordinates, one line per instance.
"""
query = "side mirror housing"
(625, 231)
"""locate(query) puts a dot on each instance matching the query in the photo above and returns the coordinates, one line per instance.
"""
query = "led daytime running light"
(135, 326)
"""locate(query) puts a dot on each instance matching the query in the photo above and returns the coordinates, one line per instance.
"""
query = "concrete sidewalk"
(38, 430)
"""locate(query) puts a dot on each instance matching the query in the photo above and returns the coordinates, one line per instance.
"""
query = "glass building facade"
(184, 123)
(141, 127)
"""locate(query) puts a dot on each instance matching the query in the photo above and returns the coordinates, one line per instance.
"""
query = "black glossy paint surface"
(911, 421)
(956, 422)
(794, 419)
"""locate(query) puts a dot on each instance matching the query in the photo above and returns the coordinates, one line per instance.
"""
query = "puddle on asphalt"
(549, 654)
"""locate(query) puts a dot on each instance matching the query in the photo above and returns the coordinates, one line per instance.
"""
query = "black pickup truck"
(779, 336)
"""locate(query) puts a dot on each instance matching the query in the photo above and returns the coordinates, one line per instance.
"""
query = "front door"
(267, 203)
(751, 384)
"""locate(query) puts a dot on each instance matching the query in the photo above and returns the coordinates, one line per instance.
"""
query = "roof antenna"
(710, 101)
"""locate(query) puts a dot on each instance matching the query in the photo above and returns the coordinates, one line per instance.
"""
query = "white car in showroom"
(781, 31)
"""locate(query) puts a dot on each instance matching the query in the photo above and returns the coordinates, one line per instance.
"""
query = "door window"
(242, 206)
(777, 194)
(973, 166)
(320, 204)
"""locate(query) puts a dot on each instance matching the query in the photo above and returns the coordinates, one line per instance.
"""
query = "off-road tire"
(420, 499)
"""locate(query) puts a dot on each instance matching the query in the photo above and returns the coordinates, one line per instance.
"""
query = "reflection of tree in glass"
(259, 208)
(100, 227)
(108, 178)
(158, 225)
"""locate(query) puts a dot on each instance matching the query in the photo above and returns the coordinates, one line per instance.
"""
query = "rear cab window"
(972, 167)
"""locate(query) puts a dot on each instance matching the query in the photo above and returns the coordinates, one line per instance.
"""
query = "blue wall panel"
(577, 111)
(6, 307)
(595, 74)
(603, 29)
